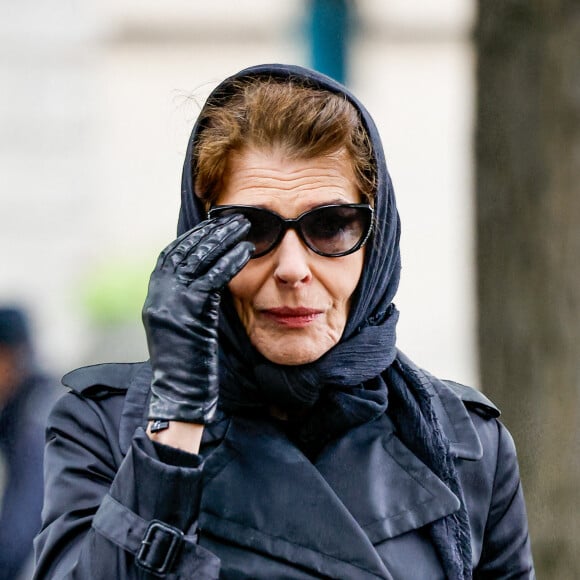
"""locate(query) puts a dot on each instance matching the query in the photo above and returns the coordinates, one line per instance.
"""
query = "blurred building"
(96, 105)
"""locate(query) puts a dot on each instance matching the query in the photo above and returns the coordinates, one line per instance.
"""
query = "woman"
(276, 431)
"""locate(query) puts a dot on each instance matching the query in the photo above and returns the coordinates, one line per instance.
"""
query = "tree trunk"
(528, 251)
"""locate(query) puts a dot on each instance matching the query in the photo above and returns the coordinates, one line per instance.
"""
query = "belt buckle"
(159, 547)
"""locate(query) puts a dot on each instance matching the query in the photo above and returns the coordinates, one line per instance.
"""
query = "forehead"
(288, 186)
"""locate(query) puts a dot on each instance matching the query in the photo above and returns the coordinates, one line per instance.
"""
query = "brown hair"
(265, 113)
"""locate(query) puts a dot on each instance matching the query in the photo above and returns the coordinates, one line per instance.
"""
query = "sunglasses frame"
(294, 224)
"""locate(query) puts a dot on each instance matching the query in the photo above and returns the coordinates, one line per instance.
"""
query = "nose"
(292, 268)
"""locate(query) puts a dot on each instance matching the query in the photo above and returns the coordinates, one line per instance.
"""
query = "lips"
(292, 317)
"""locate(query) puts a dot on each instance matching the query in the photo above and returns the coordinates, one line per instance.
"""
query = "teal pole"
(329, 37)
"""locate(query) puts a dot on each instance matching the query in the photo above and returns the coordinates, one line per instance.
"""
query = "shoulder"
(448, 392)
(466, 416)
(99, 380)
(450, 396)
(484, 415)
(498, 450)
(474, 400)
(105, 398)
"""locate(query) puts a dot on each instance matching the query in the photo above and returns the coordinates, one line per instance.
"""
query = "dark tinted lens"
(335, 230)
(264, 231)
(265, 226)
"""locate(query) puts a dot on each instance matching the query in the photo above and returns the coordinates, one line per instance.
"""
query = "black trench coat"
(255, 507)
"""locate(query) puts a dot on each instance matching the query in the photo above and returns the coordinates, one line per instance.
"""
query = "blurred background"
(97, 102)
(479, 110)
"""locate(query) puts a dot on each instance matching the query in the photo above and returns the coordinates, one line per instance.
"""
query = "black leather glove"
(180, 316)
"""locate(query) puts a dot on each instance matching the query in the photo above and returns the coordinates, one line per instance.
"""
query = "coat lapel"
(387, 489)
(262, 493)
(136, 405)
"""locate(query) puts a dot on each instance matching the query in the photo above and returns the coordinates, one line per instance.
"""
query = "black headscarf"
(349, 384)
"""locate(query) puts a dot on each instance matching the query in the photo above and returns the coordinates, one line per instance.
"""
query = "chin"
(292, 352)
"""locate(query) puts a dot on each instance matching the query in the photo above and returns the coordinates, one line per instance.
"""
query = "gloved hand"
(180, 316)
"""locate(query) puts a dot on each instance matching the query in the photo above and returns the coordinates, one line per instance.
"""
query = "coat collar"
(135, 378)
(136, 405)
(455, 420)
(450, 407)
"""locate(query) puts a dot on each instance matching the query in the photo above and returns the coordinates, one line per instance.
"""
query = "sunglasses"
(329, 230)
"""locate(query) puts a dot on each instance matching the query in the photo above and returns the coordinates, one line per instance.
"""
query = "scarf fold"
(336, 411)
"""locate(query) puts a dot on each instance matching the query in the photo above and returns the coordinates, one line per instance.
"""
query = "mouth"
(292, 317)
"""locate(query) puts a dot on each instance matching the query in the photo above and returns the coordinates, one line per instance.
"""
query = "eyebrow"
(313, 205)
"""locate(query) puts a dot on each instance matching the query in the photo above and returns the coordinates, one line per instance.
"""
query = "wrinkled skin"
(180, 316)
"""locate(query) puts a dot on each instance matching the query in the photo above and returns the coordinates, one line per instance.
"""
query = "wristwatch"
(159, 425)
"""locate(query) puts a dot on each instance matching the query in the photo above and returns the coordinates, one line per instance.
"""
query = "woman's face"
(292, 302)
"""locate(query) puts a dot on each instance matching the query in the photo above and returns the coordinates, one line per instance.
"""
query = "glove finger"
(226, 268)
(204, 255)
(173, 253)
(170, 248)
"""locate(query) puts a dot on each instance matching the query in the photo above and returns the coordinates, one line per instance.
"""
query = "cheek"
(243, 287)
(352, 278)
(344, 278)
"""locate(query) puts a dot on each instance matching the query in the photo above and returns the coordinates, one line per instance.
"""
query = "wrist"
(178, 434)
